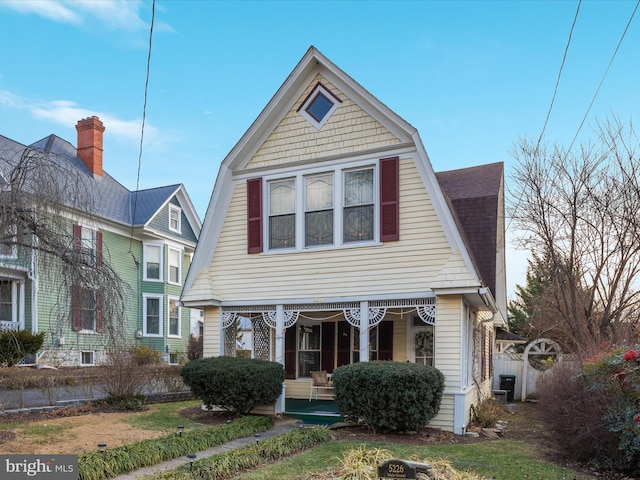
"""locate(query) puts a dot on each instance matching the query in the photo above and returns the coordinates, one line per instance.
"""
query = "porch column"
(14, 301)
(364, 331)
(21, 307)
(279, 407)
(221, 334)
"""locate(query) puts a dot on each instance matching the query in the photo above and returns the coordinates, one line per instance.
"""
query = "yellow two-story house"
(329, 239)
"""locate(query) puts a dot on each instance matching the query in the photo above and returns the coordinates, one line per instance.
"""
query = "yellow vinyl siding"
(412, 264)
(298, 388)
(444, 418)
(350, 129)
(211, 339)
(447, 339)
(400, 353)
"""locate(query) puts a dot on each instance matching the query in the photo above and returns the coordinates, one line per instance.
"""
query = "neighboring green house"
(146, 238)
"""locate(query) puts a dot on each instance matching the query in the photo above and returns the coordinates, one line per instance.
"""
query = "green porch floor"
(316, 412)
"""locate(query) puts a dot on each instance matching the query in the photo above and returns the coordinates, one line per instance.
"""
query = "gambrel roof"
(240, 165)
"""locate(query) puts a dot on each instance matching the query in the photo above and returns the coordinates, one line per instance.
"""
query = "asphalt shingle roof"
(473, 194)
(111, 200)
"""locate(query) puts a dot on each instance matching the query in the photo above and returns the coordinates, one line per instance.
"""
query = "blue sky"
(472, 76)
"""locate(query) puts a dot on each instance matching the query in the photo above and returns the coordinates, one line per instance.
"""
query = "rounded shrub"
(389, 396)
(235, 384)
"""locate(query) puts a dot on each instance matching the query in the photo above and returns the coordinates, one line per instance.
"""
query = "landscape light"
(180, 429)
(191, 457)
(102, 446)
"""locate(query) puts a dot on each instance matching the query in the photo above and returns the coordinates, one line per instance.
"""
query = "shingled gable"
(474, 194)
(234, 164)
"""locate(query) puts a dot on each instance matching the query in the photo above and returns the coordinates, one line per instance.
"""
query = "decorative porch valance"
(425, 307)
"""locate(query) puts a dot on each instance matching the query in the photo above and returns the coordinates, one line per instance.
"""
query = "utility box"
(508, 383)
(500, 396)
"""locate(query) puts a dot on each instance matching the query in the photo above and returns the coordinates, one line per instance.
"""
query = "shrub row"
(601, 402)
(97, 465)
(234, 384)
(228, 464)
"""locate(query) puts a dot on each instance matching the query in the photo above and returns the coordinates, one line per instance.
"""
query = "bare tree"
(40, 198)
(582, 212)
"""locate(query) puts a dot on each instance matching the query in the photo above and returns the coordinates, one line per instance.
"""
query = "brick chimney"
(90, 132)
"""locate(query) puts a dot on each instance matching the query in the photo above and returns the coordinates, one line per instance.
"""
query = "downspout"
(33, 276)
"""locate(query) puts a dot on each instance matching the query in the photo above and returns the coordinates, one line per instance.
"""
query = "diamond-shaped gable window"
(319, 106)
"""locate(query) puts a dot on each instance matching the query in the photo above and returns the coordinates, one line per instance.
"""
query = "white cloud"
(67, 113)
(52, 9)
(115, 14)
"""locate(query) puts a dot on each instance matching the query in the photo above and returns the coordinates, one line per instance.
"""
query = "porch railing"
(4, 326)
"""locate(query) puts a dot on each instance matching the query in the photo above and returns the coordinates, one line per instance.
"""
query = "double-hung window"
(153, 262)
(309, 348)
(325, 207)
(6, 301)
(87, 309)
(282, 214)
(175, 221)
(319, 209)
(152, 315)
(174, 266)
(174, 318)
(358, 209)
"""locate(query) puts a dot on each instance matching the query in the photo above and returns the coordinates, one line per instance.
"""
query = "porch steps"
(314, 412)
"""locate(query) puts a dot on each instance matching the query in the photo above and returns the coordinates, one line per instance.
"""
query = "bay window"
(323, 208)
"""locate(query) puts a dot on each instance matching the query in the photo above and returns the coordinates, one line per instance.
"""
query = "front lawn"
(498, 459)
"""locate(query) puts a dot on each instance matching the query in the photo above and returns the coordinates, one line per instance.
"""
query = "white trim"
(146, 245)
(160, 298)
(180, 255)
(177, 301)
(338, 172)
(178, 210)
(93, 358)
(318, 90)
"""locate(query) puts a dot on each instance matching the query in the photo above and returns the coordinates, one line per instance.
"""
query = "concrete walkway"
(282, 427)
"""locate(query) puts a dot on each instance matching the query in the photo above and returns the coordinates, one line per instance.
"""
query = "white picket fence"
(513, 364)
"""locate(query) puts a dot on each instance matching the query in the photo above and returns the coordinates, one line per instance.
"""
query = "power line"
(555, 91)
(604, 76)
(144, 116)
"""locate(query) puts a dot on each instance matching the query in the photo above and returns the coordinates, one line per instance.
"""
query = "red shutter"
(389, 199)
(77, 242)
(99, 250)
(99, 311)
(75, 308)
(385, 340)
(344, 344)
(290, 352)
(328, 350)
(254, 215)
